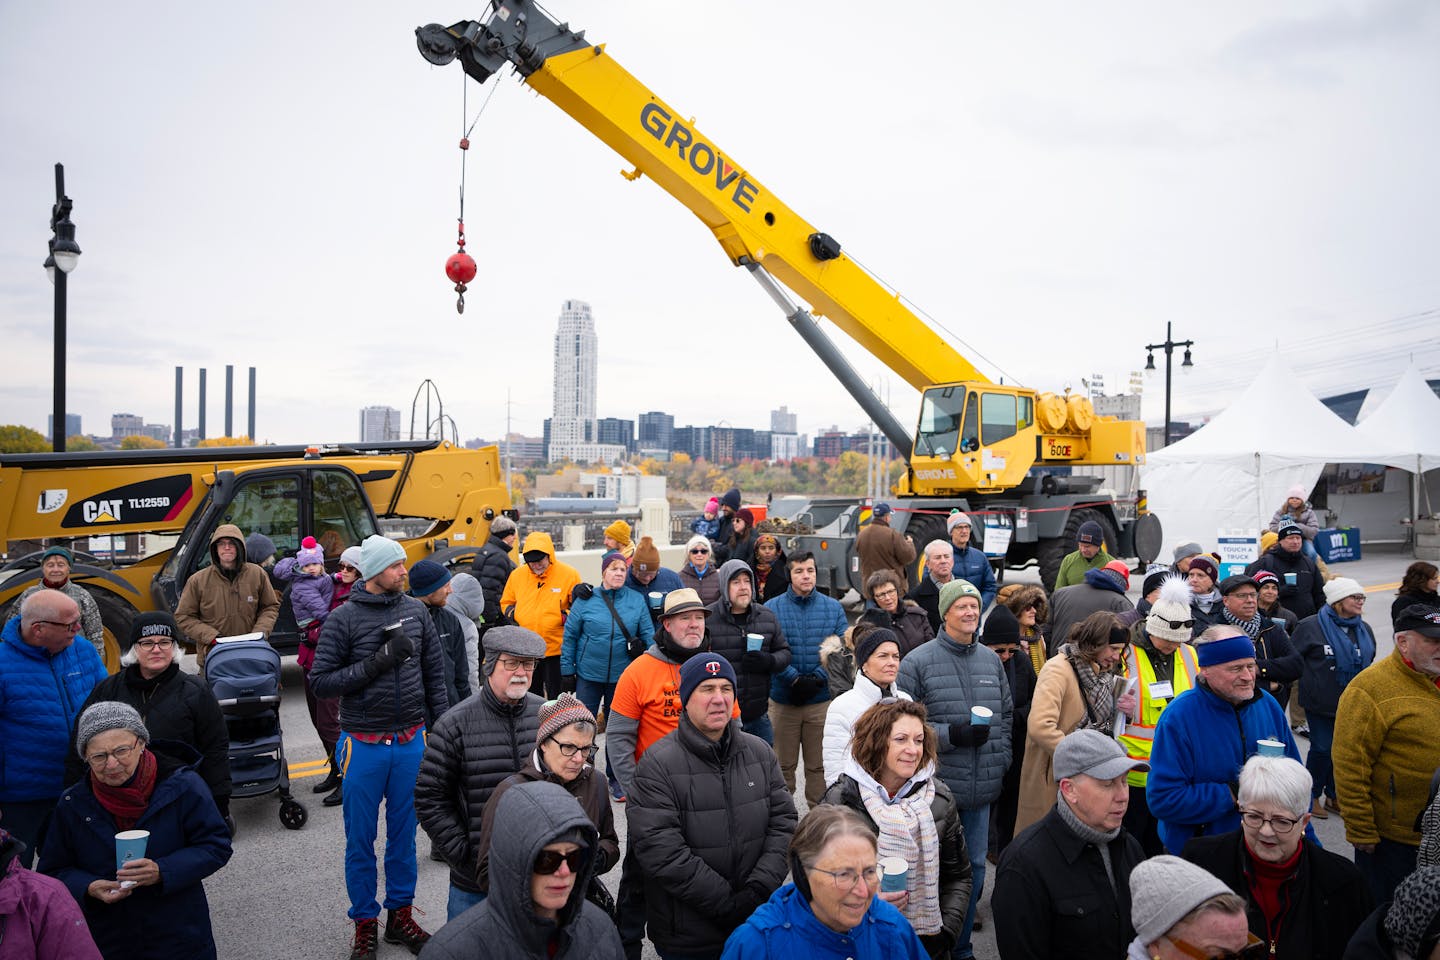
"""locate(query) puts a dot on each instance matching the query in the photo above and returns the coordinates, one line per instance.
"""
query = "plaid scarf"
(1098, 690)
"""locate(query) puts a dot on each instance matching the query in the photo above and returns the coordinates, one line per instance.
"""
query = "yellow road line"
(1383, 586)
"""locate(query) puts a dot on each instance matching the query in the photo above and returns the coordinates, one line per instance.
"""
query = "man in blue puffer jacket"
(970, 563)
(951, 675)
(45, 677)
(800, 693)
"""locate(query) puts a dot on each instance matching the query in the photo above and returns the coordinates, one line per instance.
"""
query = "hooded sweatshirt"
(541, 603)
(226, 603)
(530, 816)
(727, 631)
(467, 601)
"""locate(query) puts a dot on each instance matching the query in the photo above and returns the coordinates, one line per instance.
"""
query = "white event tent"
(1233, 472)
(1408, 419)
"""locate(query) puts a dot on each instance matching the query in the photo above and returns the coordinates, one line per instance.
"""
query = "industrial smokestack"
(179, 405)
(250, 432)
(229, 400)
(200, 427)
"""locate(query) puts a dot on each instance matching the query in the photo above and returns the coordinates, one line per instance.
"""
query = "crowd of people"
(1128, 770)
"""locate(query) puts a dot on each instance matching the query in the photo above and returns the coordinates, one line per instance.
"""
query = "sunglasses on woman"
(548, 861)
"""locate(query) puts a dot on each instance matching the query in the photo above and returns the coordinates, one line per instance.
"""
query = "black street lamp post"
(64, 255)
(1185, 365)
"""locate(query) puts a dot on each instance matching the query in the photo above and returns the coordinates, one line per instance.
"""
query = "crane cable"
(461, 266)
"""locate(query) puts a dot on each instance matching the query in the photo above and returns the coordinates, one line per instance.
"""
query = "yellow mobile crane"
(978, 445)
(176, 499)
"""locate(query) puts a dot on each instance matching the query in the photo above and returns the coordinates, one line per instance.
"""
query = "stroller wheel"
(293, 815)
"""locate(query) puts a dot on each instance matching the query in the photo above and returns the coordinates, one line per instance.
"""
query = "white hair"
(1276, 780)
(132, 656)
(935, 545)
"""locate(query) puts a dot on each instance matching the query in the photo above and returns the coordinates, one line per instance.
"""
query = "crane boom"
(751, 224)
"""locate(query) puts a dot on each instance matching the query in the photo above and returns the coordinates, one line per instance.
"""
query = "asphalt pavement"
(283, 893)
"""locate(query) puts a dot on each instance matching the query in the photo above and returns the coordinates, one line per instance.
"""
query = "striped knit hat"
(557, 714)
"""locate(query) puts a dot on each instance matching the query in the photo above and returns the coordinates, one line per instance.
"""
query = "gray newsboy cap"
(1092, 753)
(516, 641)
(106, 715)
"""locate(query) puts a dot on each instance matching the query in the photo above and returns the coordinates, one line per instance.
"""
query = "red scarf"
(57, 585)
(127, 803)
(1267, 880)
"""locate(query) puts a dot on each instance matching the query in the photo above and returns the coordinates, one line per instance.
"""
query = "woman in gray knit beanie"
(1180, 911)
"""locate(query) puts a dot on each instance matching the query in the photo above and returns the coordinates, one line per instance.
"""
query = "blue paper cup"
(130, 845)
(1270, 748)
(980, 716)
(893, 871)
(753, 642)
(656, 598)
(1290, 579)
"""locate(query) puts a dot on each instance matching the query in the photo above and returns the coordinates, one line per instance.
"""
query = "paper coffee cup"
(753, 642)
(656, 598)
(1270, 748)
(130, 845)
(1290, 579)
(892, 874)
(980, 716)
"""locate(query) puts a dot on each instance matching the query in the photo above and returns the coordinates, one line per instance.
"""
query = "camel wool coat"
(1056, 709)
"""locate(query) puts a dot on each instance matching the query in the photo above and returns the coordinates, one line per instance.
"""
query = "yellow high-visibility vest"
(1140, 734)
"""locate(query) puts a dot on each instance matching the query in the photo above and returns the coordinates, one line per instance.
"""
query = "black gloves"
(757, 661)
(582, 591)
(568, 682)
(396, 648)
(803, 690)
(969, 734)
(745, 903)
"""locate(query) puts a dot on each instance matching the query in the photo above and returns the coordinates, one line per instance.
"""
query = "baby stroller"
(244, 675)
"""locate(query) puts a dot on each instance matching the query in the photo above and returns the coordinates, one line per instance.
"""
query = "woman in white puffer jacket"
(877, 659)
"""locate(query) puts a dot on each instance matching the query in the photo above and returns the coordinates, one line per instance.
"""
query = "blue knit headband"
(1225, 651)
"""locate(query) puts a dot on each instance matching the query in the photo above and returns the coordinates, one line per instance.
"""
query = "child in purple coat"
(311, 589)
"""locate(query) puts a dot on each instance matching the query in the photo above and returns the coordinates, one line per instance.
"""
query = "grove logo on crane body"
(159, 499)
(703, 158)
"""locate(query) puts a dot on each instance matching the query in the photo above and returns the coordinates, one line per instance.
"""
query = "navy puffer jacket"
(492, 567)
(372, 700)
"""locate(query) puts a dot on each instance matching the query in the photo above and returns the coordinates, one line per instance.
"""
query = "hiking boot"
(336, 798)
(364, 946)
(331, 781)
(401, 928)
(1318, 811)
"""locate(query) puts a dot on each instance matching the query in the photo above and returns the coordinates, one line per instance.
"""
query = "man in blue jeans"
(380, 655)
(963, 686)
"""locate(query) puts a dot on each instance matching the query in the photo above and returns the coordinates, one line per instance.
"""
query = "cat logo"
(51, 500)
(101, 511)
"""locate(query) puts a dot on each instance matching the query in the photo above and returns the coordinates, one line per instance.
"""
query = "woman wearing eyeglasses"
(564, 752)
(1304, 902)
(889, 782)
(544, 853)
(154, 905)
(175, 705)
(894, 611)
(829, 909)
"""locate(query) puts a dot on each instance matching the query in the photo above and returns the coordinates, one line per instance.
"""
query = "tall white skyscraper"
(379, 424)
(574, 434)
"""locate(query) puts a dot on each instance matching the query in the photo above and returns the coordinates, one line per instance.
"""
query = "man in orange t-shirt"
(646, 706)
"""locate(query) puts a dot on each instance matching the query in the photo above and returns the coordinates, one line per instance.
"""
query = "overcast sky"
(275, 184)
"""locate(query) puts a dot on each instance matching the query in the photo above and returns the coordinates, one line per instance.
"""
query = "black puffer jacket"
(955, 874)
(452, 640)
(910, 623)
(468, 753)
(727, 637)
(175, 706)
(372, 700)
(492, 567)
(710, 823)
